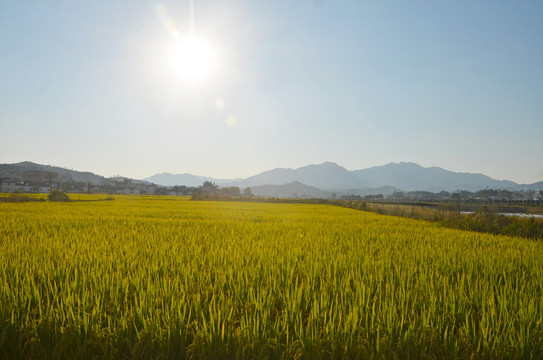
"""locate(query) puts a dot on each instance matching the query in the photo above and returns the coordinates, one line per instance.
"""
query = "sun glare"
(193, 58)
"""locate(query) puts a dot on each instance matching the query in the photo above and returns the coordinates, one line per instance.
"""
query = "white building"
(9, 187)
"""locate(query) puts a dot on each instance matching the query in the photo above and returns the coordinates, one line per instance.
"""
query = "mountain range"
(330, 177)
(321, 180)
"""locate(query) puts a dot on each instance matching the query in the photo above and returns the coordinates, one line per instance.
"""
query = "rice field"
(163, 277)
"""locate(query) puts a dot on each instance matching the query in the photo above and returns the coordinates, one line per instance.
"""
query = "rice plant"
(162, 277)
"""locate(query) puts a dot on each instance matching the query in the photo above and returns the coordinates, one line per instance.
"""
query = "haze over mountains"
(331, 177)
(321, 180)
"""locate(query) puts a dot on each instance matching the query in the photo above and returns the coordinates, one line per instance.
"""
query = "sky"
(104, 86)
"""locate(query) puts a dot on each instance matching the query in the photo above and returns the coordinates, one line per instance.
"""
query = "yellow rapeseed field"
(164, 277)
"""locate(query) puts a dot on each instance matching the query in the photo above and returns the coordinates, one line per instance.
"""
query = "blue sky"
(455, 84)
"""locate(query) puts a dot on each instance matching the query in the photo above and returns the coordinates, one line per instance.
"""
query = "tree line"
(211, 191)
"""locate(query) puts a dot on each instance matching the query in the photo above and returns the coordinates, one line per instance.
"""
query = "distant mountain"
(411, 177)
(384, 179)
(291, 190)
(535, 186)
(64, 174)
(326, 176)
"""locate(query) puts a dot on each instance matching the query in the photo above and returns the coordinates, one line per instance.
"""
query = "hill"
(411, 177)
(64, 174)
(326, 176)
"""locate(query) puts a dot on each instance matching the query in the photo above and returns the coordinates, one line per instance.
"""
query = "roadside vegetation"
(484, 219)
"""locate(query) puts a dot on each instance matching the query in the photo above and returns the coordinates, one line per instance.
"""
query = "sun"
(193, 58)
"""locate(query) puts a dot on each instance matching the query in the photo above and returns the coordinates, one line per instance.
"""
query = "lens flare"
(220, 103)
(166, 20)
(231, 121)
